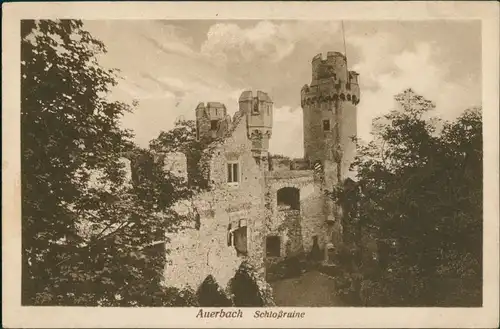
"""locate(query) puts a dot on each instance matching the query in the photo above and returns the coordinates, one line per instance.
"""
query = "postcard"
(238, 164)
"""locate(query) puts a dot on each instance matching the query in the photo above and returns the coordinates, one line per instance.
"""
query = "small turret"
(259, 112)
(212, 120)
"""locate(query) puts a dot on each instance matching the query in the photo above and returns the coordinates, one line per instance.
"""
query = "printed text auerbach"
(257, 314)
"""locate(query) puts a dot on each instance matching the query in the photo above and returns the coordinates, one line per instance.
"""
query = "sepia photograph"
(222, 164)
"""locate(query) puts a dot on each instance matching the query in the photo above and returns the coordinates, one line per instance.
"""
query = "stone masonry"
(258, 208)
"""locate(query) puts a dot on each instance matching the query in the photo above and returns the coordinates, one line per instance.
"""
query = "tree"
(182, 138)
(88, 237)
(419, 195)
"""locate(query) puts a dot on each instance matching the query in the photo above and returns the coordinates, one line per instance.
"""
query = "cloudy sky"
(170, 66)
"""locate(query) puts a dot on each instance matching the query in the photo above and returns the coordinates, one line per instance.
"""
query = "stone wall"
(176, 164)
(280, 164)
(295, 228)
(205, 251)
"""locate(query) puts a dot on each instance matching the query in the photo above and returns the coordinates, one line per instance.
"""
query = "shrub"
(211, 294)
(249, 289)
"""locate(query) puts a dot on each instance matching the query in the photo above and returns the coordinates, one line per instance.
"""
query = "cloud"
(170, 46)
(172, 66)
(287, 137)
(416, 69)
(270, 41)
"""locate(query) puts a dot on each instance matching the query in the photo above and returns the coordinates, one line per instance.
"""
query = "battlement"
(331, 81)
(258, 104)
(216, 108)
(248, 95)
(330, 54)
(330, 90)
(334, 66)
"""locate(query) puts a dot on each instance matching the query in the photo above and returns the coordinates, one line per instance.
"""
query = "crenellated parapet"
(333, 66)
(331, 81)
(330, 91)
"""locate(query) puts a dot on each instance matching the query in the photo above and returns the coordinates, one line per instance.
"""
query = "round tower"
(330, 115)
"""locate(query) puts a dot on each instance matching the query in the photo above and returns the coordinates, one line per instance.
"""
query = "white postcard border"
(63, 317)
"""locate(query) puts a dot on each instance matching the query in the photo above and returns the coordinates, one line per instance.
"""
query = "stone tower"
(329, 111)
(212, 120)
(329, 114)
(259, 112)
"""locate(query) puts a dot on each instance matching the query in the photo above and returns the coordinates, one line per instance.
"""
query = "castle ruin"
(264, 209)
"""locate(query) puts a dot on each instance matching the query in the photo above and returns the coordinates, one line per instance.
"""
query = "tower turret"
(258, 109)
(330, 115)
(212, 120)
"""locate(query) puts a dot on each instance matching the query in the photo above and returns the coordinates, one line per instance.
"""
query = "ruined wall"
(205, 114)
(196, 253)
(176, 164)
(280, 164)
(206, 251)
(295, 228)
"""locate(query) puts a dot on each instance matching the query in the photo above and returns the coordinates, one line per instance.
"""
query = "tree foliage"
(88, 236)
(419, 198)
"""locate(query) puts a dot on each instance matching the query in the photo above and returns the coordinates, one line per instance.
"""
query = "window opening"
(273, 246)
(288, 198)
(237, 238)
(232, 173)
(255, 106)
(240, 241)
(326, 125)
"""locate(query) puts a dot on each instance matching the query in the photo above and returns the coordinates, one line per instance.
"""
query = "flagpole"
(345, 54)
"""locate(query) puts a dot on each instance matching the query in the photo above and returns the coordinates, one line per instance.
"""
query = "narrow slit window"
(232, 173)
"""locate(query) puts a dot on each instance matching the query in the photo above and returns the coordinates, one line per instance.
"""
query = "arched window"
(288, 198)
(237, 237)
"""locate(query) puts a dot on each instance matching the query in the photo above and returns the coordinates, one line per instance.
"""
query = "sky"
(170, 66)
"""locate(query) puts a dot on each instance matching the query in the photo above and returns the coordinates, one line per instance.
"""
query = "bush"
(249, 289)
(211, 294)
(180, 297)
(289, 268)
